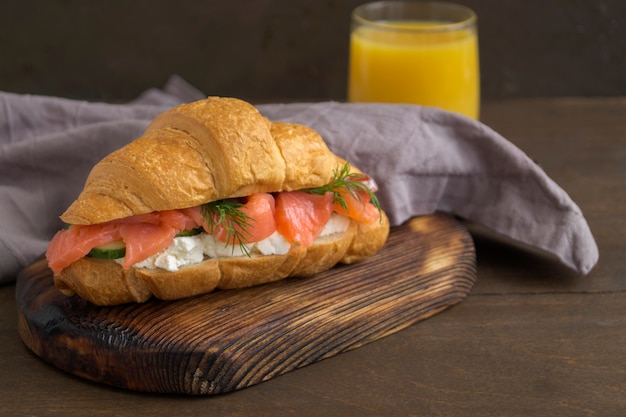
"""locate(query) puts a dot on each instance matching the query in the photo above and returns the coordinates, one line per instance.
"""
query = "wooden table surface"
(532, 338)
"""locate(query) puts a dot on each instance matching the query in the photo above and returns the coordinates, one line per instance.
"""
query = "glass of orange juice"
(417, 52)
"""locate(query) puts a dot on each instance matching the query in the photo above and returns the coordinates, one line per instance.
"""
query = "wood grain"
(232, 339)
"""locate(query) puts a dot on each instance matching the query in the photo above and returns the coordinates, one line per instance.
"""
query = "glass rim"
(469, 20)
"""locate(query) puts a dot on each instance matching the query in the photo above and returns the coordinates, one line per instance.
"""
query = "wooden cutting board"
(232, 339)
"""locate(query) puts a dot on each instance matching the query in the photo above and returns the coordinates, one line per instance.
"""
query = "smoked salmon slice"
(258, 216)
(143, 240)
(301, 217)
(258, 211)
(69, 245)
(143, 234)
(358, 207)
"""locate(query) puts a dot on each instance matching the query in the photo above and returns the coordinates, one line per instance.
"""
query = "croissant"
(211, 151)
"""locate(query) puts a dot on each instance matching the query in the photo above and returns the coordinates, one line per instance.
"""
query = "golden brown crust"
(116, 187)
(368, 239)
(200, 152)
(306, 167)
(104, 282)
(325, 253)
(193, 280)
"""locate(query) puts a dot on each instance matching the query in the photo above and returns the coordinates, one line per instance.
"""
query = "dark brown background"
(289, 49)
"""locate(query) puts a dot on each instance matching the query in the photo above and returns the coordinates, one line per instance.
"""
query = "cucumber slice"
(113, 250)
(116, 250)
(191, 232)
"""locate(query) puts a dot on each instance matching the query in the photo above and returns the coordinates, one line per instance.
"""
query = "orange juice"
(415, 62)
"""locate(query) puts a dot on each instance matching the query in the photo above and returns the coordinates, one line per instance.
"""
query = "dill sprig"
(228, 214)
(344, 180)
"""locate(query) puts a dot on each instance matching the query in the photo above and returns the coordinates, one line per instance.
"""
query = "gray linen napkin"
(424, 160)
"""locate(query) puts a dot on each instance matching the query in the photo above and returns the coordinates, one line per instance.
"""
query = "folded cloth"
(423, 159)
(426, 160)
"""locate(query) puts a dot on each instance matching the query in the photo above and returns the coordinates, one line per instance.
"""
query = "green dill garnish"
(228, 214)
(344, 180)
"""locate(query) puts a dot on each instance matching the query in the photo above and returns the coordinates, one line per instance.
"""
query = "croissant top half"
(200, 152)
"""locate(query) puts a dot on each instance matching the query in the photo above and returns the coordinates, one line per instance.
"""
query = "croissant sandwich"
(213, 195)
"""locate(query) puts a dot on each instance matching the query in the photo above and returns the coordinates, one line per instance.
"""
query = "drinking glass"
(419, 52)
